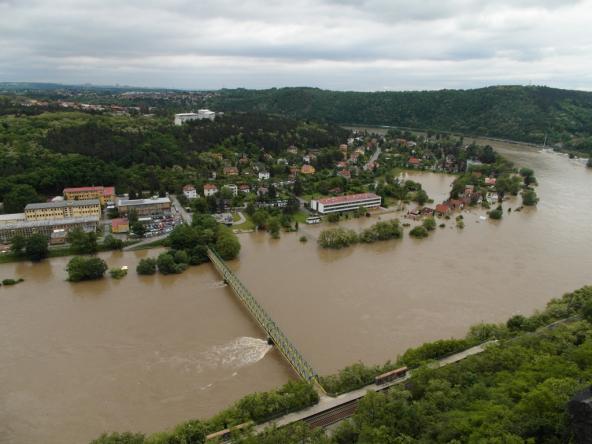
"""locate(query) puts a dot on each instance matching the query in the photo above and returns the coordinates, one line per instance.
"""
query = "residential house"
(307, 169)
(263, 175)
(346, 174)
(442, 210)
(414, 162)
(230, 171)
(490, 181)
(455, 204)
(210, 189)
(244, 188)
(190, 192)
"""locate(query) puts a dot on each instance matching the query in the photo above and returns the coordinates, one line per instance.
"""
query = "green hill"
(513, 112)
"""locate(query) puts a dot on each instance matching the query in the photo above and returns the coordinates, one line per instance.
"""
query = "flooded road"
(145, 353)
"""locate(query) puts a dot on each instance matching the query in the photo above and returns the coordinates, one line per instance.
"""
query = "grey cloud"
(343, 44)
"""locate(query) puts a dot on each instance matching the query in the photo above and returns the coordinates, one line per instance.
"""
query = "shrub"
(85, 268)
(112, 243)
(36, 247)
(117, 273)
(529, 198)
(166, 264)
(429, 223)
(419, 232)
(303, 239)
(227, 244)
(496, 214)
(337, 238)
(12, 281)
(382, 231)
(146, 266)
(333, 217)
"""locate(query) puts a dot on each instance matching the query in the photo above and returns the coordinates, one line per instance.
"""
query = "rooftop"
(11, 217)
(63, 204)
(151, 201)
(348, 198)
(107, 191)
(50, 223)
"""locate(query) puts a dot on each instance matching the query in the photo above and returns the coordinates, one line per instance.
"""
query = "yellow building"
(119, 225)
(63, 209)
(104, 194)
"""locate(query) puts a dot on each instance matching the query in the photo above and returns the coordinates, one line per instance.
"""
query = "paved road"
(242, 219)
(184, 214)
(373, 158)
(329, 403)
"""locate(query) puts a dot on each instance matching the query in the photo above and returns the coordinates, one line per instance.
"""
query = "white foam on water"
(240, 352)
(232, 355)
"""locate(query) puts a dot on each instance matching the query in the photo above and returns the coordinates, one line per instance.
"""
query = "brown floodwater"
(145, 353)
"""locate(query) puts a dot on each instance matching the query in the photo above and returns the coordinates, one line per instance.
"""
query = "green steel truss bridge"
(283, 344)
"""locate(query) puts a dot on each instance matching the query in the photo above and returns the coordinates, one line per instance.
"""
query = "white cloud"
(338, 44)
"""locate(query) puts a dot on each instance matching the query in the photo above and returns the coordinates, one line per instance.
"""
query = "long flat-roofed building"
(145, 207)
(104, 194)
(201, 114)
(346, 203)
(47, 227)
(63, 209)
(12, 218)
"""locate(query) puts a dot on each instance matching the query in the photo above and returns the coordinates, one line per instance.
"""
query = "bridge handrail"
(291, 353)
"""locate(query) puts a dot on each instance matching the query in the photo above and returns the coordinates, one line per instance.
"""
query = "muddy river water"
(145, 353)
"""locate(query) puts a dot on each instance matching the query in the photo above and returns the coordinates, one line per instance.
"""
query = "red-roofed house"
(490, 181)
(230, 171)
(190, 192)
(210, 189)
(414, 161)
(442, 209)
(345, 174)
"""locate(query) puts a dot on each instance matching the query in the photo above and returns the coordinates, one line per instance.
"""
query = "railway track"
(333, 415)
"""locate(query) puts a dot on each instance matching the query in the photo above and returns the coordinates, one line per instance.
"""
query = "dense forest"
(513, 112)
(53, 150)
(516, 391)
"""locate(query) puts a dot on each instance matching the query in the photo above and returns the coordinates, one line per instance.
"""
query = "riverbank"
(385, 128)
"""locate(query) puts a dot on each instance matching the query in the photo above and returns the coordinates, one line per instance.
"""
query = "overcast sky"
(335, 44)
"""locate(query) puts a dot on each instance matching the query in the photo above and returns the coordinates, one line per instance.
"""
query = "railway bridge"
(267, 324)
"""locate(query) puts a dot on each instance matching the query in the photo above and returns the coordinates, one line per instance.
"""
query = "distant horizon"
(161, 88)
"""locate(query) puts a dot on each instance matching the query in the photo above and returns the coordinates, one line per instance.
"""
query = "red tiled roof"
(109, 191)
(73, 190)
(348, 198)
(188, 188)
(414, 161)
(209, 186)
(442, 208)
(119, 221)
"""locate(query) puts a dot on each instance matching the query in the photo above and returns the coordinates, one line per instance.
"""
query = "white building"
(263, 175)
(210, 189)
(190, 192)
(201, 114)
(345, 203)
